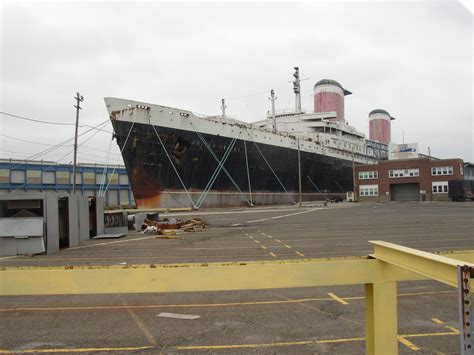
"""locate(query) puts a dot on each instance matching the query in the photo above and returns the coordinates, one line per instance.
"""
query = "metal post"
(353, 177)
(299, 171)
(79, 98)
(381, 318)
(248, 173)
(272, 98)
(465, 274)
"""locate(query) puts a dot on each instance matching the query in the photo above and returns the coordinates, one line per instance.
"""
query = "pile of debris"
(173, 226)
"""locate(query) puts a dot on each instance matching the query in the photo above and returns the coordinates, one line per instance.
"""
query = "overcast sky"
(413, 59)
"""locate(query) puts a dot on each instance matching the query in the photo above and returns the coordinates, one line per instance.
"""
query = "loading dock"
(405, 192)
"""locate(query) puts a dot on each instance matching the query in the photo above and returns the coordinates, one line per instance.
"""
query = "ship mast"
(223, 107)
(297, 89)
(272, 98)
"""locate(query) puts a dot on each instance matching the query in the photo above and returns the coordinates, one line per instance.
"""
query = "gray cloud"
(412, 58)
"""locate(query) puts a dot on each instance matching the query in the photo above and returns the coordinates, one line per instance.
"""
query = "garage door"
(405, 192)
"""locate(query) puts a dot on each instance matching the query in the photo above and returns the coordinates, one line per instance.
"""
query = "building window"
(123, 179)
(440, 187)
(403, 173)
(369, 190)
(363, 175)
(442, 170)
(49, 177)
(17, 176)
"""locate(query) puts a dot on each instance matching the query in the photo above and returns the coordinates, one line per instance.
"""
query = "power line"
(243, 97)
(53, 123)
(27, 141)
(101, 163)
(53, 145)
(49, 145)
(97, 150)
(90, 155)
(11, 151)
(49, 151)
(99, 129)
(30, 153)
(46, 151)
(38, 121)
(51, 167)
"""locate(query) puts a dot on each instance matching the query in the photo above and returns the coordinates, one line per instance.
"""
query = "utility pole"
(299, 171)
(223, 107)
(272, 98)
(79, 98)
(297, 89)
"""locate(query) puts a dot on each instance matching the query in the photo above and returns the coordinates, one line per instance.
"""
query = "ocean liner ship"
(176, 158)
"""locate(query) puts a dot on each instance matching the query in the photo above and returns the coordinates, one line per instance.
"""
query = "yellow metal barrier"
(379, 273)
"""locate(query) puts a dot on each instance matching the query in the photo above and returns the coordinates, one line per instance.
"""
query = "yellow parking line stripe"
(300, 254)
(268, 345)
(114, 242)
(240, 346)
(404, 294)
(286, 245)
(263, 246)
(277, 240)
(346, 340)
(8, 257)
(424, 293)
(408, 343)
(210, 347)
(273, 254)
(79, 350)
(439, 321)
(230, 304)
(420, 335)
(146, 332)
(230, 346)
(338, 299)
(401, 338)
(453, 329)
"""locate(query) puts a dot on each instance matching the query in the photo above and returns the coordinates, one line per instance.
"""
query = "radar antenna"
(223, 107)
(272, 98)
(297, 89)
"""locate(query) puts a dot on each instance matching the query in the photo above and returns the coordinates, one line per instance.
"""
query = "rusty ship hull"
(176, 159)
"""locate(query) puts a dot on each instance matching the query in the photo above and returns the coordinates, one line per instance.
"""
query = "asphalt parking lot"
(303, 320)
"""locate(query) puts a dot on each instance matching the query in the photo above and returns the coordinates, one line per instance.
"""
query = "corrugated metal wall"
(20, 176)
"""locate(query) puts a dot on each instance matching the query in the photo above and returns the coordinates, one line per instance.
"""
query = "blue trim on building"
(15, 165)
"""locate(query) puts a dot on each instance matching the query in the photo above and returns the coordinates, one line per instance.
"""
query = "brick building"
(420, 179)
